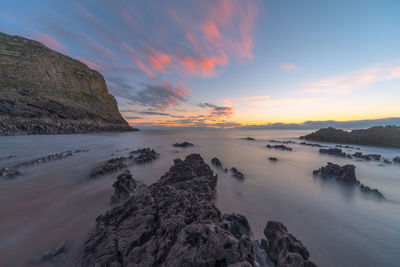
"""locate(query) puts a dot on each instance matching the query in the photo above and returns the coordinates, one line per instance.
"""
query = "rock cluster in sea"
(143, 155)
(345, 174)
(123, 187)
(110, 166)
(175, 223)
(237, 174)
(216, 162)
(334, 151)
(280, 147)
(183, 144)
(248, 138)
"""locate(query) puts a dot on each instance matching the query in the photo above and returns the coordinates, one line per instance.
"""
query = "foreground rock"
(45, 92)
(144, 155)
(184, 144)
(123, 187)
(55, 256)
(345, 174)
(387, 136)
(280, 147)
(237, 174)
(283, 248)
(112, 165)
(175, 223)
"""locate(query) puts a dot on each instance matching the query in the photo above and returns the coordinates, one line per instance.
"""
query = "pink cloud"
(89, 63)
(49, 41)
(289, 67)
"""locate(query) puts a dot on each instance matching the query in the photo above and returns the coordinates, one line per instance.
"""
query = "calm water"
(55, 201)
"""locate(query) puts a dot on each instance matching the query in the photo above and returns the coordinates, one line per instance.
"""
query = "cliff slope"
(45, 92)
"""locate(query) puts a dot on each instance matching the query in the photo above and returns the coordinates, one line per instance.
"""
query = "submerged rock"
(348, 147)
(143, 155)
(333, 151)
(283, 248)
(386, 161)
(8, 157)
(367, 157)
(280, 147)
(56, 256)
(112, 165)
(344, 173)
(237, 174)
(374, 192)
(124, 186)
(282, 142)
(7, 173)
(248, 138)
(273, 159)
(216, 162)
(396, 159)
(184, 144)
(311, 144)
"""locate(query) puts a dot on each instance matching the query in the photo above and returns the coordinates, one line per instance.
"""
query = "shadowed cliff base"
(45, 92)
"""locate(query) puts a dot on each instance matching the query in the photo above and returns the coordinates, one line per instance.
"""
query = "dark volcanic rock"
(47, 158)
(387, 136)
(333, 151)
(124, 186)
(45, 92)
(374, 192)
(144, 155)
(311, 144)
(8, 157)
(348, 147)
(283, 248)
(386, 161)
(184, 144)
(7, 173)
(282, 142)
(248, 138)
(55, 256)
(216, 162)
(273, 159)
(174, 224)
(280, 147)
(367, 157)
(396, 159)
(112, 165)
(237, 174)
(344, 173)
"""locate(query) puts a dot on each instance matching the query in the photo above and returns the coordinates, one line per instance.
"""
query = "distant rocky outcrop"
(248, 138)
(183, 144)
(280, 147)
(385, 136)
(333, 151)
(45, 92)
(175, 223)
(143, 155)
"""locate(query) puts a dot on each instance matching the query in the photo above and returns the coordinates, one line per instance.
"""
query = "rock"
(143, 155)
(47, 158)
(174, 224)
(333, 151)
(348, 147)
(311, 144)
(248, 138)
(216, 162)
(282, 142)
(283, 248)
(386, 161)
(8, 157)
(368, 190)
(7, 173)
(56, 256)
(344, 173)
(273, 159)
(367, 157)
(386, 136)
(396, 159)
(280, 147)
(45, 92)
(112, 165)
(124, 186)
(237, 174)
(184, 144)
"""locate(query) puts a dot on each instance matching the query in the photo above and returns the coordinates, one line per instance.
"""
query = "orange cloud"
(49, 41)
(159, 61)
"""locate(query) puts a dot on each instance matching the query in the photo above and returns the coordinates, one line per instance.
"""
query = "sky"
(228, 63)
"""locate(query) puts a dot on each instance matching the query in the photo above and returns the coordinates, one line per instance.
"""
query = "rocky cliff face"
(45, 92)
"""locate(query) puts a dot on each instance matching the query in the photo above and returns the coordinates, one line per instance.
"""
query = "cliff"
(45, 92)
(385, 136)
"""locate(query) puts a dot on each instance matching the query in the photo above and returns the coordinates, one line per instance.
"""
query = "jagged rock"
(333, 151)
(311, 144)
(216, 162)
(124, 186)
(280, 147)
(273, 159)
(369, 190)
(248, 138)
(7, 173)
(45, 92)
(112, 165)
(144, 155)
(396, 159)
(348, 147)
(367, 157)
(47, 158)
(282, 142)
(283, 248)
(237, 174)
(344, 173)
(386, 161)
(184, 144)
(174, 224)
(56, 256)
(386, 136)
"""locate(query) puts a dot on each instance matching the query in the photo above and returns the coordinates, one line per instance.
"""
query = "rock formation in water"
(273, 159)
(175, 223)
(237, 174)
(333, 151)
(123, 187)
(367, 156)
(216, 162)
(248, 138)
(279, 147)
(183, 144)
(396, 159)
(110, 166)
(45, 92)
(386, 136)
(143, 155)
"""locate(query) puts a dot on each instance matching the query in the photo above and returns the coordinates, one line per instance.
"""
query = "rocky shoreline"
(175, 223)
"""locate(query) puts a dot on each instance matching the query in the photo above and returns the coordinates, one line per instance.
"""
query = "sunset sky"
(228, 63)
